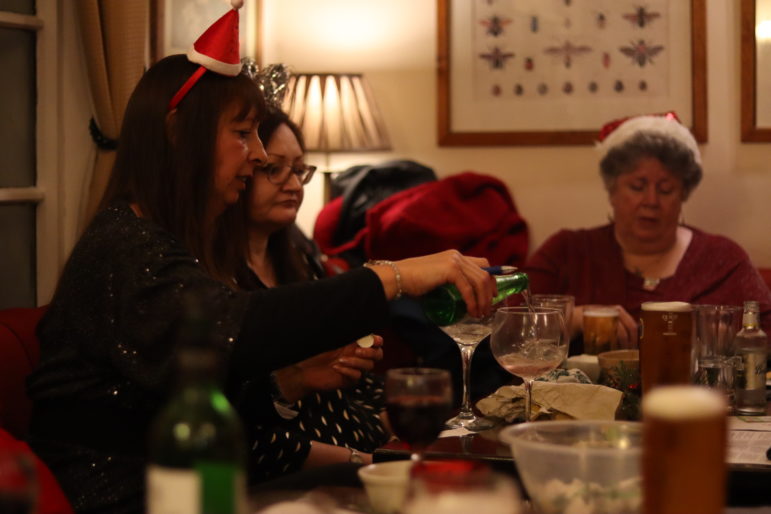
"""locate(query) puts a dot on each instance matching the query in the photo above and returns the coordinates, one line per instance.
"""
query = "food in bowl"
(579, 466)
(386, 484)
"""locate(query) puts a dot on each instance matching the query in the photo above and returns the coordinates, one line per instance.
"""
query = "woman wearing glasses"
(321, 425)
(186, 155)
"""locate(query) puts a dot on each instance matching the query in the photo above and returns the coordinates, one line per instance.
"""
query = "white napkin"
(560, 400)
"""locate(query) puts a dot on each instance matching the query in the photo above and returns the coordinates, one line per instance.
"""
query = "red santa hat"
(216, 50)
(618, 132)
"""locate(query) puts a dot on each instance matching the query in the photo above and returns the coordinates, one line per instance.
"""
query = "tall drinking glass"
(714, 351)
(600, 329)
(564, 302)
(418, 400)
(528, 342)
(467, 334)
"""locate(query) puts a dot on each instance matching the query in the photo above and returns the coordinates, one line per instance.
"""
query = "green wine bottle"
(445, 306)
(197, 449)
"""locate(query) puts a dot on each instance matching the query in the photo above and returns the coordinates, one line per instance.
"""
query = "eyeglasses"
(278, 173)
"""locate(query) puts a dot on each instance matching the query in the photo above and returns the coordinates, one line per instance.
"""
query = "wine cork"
(366, 341)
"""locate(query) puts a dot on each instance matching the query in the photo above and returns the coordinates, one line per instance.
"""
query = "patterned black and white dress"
(344, 417)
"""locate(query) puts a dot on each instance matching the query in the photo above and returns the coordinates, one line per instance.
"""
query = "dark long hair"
(288, 248)
(167, 167)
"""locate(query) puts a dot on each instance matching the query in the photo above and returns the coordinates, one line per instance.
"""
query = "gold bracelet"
(396, 273)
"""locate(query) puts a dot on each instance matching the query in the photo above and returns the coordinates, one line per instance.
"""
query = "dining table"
(748, 486)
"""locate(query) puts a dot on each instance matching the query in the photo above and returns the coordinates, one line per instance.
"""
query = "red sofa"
(19, 354)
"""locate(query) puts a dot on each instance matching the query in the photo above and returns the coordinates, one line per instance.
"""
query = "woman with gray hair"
(650, 165)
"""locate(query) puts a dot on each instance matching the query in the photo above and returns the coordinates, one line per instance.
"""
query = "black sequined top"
(106, 349)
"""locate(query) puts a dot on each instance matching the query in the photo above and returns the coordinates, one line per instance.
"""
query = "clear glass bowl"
(579, 466)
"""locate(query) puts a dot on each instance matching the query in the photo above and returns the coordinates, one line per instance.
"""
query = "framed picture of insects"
(552, 72)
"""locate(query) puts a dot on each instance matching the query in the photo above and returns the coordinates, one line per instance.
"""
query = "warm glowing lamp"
(336, 112)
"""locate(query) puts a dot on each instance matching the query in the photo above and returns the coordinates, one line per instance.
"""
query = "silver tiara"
(272, 80)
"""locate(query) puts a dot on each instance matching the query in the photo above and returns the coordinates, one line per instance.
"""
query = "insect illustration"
(495, 25)
(641, 16)
(641, 52)
(497, 58)
(568, 51)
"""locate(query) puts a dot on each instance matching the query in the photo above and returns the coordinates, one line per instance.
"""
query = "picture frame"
(755, 77)
(176, 24)
(467, 118)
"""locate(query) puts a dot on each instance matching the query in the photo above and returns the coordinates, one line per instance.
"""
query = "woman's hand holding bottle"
(419, 275)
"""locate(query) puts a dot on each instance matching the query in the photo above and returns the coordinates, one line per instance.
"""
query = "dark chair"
(19, 354)
(766, 274)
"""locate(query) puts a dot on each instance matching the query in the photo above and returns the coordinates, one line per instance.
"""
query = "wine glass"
(418, 400)
(528, 342)
(467, 334)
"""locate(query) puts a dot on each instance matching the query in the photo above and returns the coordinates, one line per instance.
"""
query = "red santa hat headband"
(618, 132)
(216, 50)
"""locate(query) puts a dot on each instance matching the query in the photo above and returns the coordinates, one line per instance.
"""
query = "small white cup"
(386, 484)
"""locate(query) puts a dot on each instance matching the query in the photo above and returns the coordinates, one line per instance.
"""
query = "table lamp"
(336, 112)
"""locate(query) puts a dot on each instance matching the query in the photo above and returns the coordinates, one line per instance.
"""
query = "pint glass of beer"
(666, 331)
(600, 329)
(684, 450)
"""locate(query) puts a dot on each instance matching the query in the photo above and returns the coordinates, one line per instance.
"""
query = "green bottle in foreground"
(445, 306)
(197, 449)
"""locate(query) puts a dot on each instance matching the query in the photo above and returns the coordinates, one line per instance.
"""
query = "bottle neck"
(198, 367)
(750, 320)
(514, 282)
(509, 284)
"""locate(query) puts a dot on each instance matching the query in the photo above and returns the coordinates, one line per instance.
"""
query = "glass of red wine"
(418, 401)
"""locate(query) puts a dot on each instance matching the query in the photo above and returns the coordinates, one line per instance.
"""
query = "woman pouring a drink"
(649, 165)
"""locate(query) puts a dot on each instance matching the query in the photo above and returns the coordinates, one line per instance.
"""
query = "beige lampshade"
(336, 112)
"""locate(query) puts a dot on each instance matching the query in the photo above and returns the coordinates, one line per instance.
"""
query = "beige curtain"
(114, 35)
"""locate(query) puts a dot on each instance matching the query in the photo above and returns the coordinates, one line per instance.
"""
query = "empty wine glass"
(467, 334)
(418, 400)
(528, 342)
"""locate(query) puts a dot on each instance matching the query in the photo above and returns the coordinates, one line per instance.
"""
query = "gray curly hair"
(676, 157)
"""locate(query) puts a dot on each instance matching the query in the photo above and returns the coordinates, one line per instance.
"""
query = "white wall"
(76, 152)
(394, 43)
